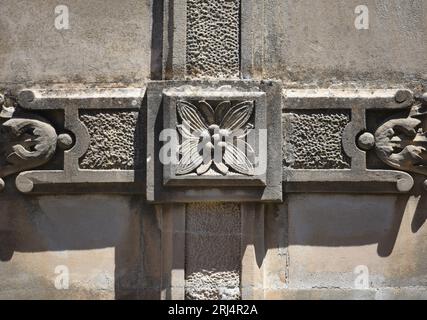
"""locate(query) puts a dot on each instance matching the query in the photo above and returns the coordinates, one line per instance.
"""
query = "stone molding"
(70, 178)
(26, 142)
(363, 175)
(107, 140)
(401, 142)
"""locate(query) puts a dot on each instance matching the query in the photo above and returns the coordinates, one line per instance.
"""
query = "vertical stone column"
(213, 39)
(252, 251)
(173, 251)
(222, 212)
(213, 231)
(202, 40)
(212, 251)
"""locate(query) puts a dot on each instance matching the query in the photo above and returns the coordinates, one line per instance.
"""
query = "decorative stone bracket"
(99, 124)
(327, 141)
(26, 141)
(401, 141)
(181, 141)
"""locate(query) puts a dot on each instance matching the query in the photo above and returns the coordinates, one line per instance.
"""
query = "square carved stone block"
(214, 141)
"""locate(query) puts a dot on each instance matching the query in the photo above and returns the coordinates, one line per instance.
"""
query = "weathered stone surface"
(327, 50)
(204, 218)
(313, 140)
(33, 276)
(348, 294)
(330, 237)
(213, 56)
(308, 248)
(112, 139)
(213, 251)
(211, 285)
(112, 47)
(96, 238)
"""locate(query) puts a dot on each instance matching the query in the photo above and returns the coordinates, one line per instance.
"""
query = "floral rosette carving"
(215, 138)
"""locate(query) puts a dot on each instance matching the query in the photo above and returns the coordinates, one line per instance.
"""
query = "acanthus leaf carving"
(26, 141)
(402, 143)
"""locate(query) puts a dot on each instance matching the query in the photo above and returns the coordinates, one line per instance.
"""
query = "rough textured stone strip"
(313, 140)
(213, 38)
(112, 139)
(213, 246)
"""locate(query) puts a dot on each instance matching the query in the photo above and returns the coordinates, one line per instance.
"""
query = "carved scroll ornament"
(402, 143)
(25, 143)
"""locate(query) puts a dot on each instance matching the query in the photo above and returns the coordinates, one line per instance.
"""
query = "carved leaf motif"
(204, 139)
(207, 112)
(7, 112)
(402, 143)
(204, 167)
(189, 113)
(245, 131)
(221, 167)
(186, 146)
(7, 108)
(184, 130)
(221, 110)
(29, 144)
(236, 159)
(191, 159)
(238, 116)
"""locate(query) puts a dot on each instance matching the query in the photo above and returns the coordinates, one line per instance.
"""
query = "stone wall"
(118, 246)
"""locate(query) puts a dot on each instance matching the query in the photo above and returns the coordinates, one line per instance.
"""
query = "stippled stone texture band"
(213, 38)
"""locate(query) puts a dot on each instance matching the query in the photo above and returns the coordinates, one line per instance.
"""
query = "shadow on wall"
(32, 224)
(354, 220)
(420, 215)
(67, 223)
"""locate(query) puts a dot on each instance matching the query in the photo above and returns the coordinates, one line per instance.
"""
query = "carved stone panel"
(202, 141)
(202, 39)
(27, 141)
(326, 141)
(100, 135)
(219, 135)
(112, 139)
(213, 141)
(399, 141)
